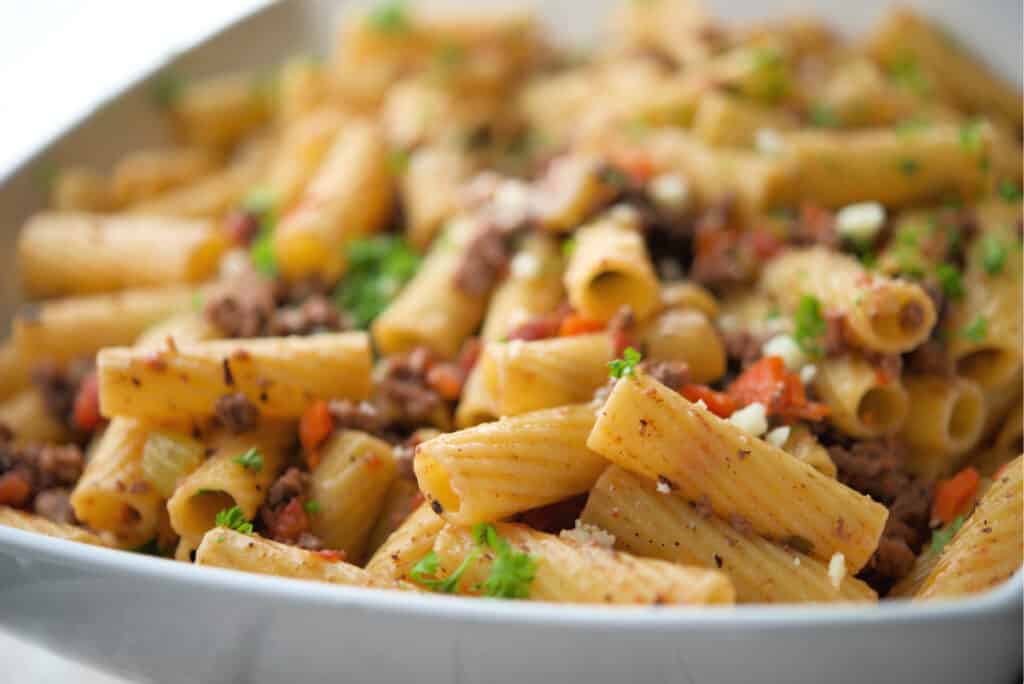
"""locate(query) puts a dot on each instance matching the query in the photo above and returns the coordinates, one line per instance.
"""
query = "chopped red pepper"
(575, 324)
(782, 393)
(86, 415)
(315, 427)
(719, 403)
(14, 489)
(954, 496)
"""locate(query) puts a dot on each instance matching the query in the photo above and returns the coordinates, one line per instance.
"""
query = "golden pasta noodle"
(651, 430)
(148, 172)
(218, 111)
(280, 376)
(568, 571)
(943, 423)
(863, 400)
(497, 469)
(29, 522)
(648, 523)
(26, 415)
(404, 547)
(685, 335)
(62, 254)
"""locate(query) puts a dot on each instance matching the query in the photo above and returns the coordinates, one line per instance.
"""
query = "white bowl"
(162, 621)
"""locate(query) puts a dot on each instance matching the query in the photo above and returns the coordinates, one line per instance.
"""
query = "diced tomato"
(782, 393)
(86, 415)
(14, 489)
(719, 403)
(638, 165)
(954, 496)
(331, 555)
(315, 427)
(764, 243)
(446, 380)
(290, 521)
(575, 324)
(470, 354)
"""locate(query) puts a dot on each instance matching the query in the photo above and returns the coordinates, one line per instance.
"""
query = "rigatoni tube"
(497, 469)
(649, 429)
(280, 376)
(61, 254)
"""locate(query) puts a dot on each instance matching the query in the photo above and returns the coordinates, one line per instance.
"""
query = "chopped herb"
(167, 89)
(950, 280)
(909, 166)
(911, 126)
(233, 519)
(943, 536)
(620, 368)
(312, 507)
(823, 116)
(378, 267)
(261, 203)
(970, 135)
(906, 72)
(810, 326)
(450, 55)
(250, 460)
(977, 330)
(389, 17)
(425, 572)
(993, 254)
(197, 301)
(770, 80)
(398, 161)
(512, 571)
(1009, 192)
(568, 246)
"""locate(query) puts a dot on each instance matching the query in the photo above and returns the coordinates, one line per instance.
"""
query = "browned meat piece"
(55, 504)
(237, 413)
(672, 374)
(242, 307)
(484, 262)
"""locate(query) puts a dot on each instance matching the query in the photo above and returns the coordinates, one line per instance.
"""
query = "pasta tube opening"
(988, 365)
(966, 416)
(882, 409)
(433, 478)
(201, 515)
(900, 317)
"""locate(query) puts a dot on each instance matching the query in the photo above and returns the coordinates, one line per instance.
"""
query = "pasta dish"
(702, 314)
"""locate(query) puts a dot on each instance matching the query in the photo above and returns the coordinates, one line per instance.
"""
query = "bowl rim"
(97, 559)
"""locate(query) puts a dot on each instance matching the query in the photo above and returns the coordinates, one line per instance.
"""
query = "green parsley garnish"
(378, 267)
(197, 301)
(950, 280)
(261, 203)
(943, 536)
(512, 571)
(620, 368)
(167, 89)
(425, 572)
(770, 80)
(810, 326)
(568, 246)
(398, 161)
(823, 116)
(993, 254)
(970, 135)
(250, 460)
(312, 507)
(909, 166)
(389, 17)
(907, 73)
(233, 519)
(1010, 193)
(911, 126)
(977, 330)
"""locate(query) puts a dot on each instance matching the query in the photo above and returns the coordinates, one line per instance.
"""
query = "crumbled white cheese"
(585, 533)
(728, 323)
(625, 215)
(511, 203)
(525, 265)
(786, 347)
(796, 561)
(808, 373)
(700, 402)
(670, 191)
(778, 436)
(752, 419)
(768, 141)
(861, 221)
(234, 263)
(837, 569)
(663, 487)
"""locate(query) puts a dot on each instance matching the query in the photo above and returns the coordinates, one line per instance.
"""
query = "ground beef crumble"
(283, 515)
(250, 305)
(58, 386)
(237, 413)
(39, 478)
(876, 468)
(484, 262)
